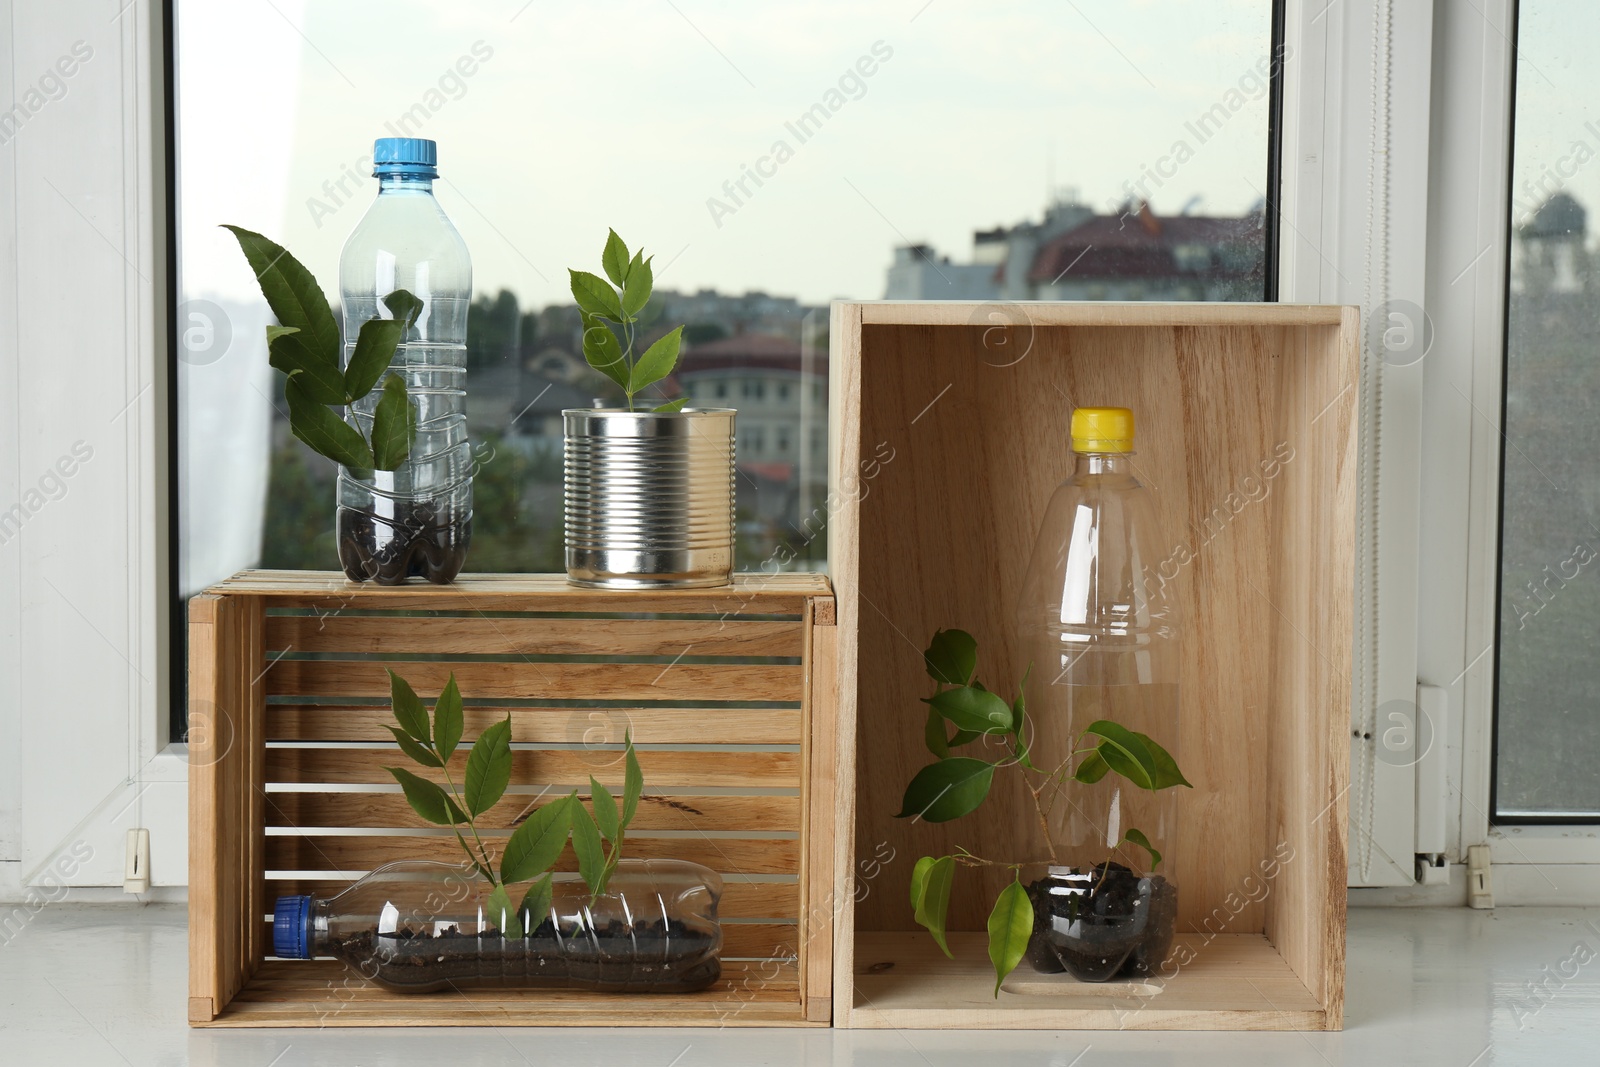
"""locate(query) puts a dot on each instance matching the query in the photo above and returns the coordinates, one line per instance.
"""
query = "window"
(795, 170)
(1547, 724)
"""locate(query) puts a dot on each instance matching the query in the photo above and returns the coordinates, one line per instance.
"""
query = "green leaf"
(933, 734)
(605, 809)
(615, 258)
(948, 789)
(447, 719)
(292, 293)
(1166, 768)
(657, 361)
(1124, 752)
(636, 294)
(535, 845)
(1138, 838)
(489, 767)
(428, 799)
(408, 710)
(412, 748)
(933, 902)
(324, 432)
(500, 912)
(404, 307)
(672, 405)
(394, 425)
(594, 296)
(919, 878)
(317, 375)
(632, 782)
(586, 843)
(970, 708)
(375, 346)
(1010, 927)
(951, 657)
(536, 903)
(603, 352)
(1092, 769)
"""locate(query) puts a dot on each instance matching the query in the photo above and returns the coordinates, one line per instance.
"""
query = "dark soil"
(412, 545)
(609, 960)
(1101, 924)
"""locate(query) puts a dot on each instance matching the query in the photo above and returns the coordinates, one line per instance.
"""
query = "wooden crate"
(729, 694)
(950, 433)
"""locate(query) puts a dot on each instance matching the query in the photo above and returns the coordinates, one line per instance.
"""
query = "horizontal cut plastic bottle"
(420, 926)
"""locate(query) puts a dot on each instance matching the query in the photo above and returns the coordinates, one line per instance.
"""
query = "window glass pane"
(772, 157)
(1548, 719)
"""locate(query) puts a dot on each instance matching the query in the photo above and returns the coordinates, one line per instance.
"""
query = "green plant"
(618, 303)
(305, 346)
(531, 851)
(954, 786)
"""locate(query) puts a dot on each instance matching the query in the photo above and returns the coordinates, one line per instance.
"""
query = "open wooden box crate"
(950, 433)
(728, 694)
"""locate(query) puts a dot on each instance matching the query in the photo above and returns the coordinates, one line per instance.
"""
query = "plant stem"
(1044, 821)
(485, 867)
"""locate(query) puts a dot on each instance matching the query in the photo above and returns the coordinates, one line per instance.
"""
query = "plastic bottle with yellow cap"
(1098, 620)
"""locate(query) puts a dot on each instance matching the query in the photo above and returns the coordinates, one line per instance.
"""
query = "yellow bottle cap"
(1102, 430)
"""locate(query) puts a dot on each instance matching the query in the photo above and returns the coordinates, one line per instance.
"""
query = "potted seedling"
(1090, 901)
(649, 486)
(347, 402)
(504, 916)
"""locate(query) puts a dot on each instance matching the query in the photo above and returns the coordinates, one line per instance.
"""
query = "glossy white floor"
(84, 985)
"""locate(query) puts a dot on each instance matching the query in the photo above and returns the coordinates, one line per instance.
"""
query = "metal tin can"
(649, 497)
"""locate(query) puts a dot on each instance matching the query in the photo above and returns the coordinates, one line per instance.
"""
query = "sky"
(1556, 142)
(943, 117)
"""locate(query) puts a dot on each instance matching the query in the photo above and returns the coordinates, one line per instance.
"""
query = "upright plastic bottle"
(418, 926)
(417, 520)
(1099, 624)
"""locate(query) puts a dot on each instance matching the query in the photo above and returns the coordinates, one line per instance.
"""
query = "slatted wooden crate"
(951, 432)
(729, 696)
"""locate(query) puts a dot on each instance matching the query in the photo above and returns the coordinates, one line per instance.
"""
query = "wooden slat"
(588, 726)
(662, 770)
(550, 637)
(1152, 315)
(207, 891)
(330, 591)
(326, 993)
(821, 801)
(740, 900)
(679, 812)
(346, 853)
(522, 679)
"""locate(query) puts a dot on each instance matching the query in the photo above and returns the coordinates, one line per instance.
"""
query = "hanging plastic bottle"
(417, 520)
(419, 926)
(1099, 626)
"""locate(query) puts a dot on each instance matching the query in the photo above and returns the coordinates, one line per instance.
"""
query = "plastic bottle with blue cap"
(415, 521)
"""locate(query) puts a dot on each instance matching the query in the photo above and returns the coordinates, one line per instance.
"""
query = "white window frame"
(83, 590)
(1531, 864)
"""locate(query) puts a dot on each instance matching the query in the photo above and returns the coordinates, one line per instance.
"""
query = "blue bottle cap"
(291, 928)
(405, 155)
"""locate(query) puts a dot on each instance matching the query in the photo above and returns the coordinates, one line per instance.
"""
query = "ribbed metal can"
(649, 497)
